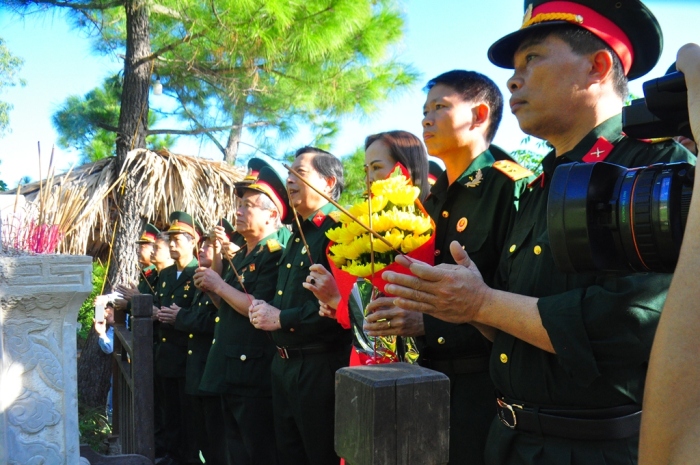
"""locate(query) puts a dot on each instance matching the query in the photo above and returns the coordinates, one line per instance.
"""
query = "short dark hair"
(328, 166)
(582, 42)
(476, 87)
(408, 150)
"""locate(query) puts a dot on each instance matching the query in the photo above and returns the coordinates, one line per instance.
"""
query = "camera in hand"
(605, 217)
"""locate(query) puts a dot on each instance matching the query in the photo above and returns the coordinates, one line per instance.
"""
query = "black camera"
(605, 217)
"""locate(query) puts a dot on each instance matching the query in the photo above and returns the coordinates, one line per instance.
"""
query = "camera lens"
(604, 217)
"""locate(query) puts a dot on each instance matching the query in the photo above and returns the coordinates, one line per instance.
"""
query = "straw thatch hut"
(82, 201)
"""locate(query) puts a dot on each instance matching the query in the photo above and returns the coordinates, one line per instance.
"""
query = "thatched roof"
(82, 201)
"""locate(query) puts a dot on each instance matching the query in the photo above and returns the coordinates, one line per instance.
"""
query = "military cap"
(627, 26)
(200, 230)
(254, 167)
(148, 235)
(228, 228)
(270, 183)
(434, 171)
(181, 222)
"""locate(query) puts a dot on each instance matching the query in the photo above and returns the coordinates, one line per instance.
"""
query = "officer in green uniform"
(473, 202)
(198, 322)
(238, 366)
(570, 350)
(147, 275)
(310, 347)
(176, 289)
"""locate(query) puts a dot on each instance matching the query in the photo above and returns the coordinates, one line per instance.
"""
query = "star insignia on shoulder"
(475, 180)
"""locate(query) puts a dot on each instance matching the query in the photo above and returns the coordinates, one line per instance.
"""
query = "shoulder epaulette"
(273, 245)
(512, 169)
(335, 215)
(656, 141)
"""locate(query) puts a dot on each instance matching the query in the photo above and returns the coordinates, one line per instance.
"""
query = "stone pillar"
(39, 300)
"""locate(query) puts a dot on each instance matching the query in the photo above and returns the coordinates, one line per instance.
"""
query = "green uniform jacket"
(197, 322)
(239, 361)
(171, 354)
(601, 325)
(299, 318)
(477, 211)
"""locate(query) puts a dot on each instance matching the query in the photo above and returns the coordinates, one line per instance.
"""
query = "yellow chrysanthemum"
(412, 242)
(362, 270)
(339, 260)
(395, 237)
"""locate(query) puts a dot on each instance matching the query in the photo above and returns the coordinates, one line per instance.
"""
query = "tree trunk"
(94, 373)
(234, 138)
(93, 366)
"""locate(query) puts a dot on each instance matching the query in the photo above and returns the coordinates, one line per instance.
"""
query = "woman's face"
(378, 160)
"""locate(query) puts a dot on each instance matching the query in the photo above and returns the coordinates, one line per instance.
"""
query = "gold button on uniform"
(437, 253)
(184, 296)
(445, 214)
(289, 265)
(243, 357)
(512, 248)
(441, 340)
(163, 339)
(213, 341)
(279, 292)
(216, 320)
(301, 264)
(191, 336)
(172, 296)
(189, 352)
(537, 250)
(504, 358)
(291, 330)
(296, 240)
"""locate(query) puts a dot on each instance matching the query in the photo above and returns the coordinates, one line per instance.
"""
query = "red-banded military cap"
(199, 229)
(434, 172)
(148, 235)
(181, 222)
(626, 26)
(270, 183)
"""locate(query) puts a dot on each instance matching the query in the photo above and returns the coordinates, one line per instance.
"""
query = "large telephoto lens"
(605, 217)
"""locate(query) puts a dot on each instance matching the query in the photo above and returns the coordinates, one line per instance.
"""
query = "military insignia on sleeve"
(273, 245)
(475, 180)
(462, 224)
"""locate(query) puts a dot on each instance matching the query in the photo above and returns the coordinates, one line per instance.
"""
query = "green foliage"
(267, 66)
(9, 68)
(94, 428)
(355, 178)
(87, 309)
(88, 123)
(530, 154)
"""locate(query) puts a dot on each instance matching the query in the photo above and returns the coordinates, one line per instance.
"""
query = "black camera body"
(605, 217)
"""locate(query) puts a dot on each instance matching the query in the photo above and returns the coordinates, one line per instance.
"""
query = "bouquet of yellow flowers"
(393, 211)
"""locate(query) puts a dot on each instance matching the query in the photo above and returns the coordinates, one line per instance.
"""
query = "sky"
(440, 35)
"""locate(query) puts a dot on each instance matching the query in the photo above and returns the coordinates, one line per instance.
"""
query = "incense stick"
(345, 211)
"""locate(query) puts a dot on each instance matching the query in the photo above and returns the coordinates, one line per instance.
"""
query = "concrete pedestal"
(39, 300)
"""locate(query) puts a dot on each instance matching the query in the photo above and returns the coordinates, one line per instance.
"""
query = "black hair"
(474, 87)
(328, 166)
(582, 42)
(408, 150)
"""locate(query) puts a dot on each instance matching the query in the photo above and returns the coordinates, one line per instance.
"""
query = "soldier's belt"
(294, 352)
(586, 424)
(458, 366)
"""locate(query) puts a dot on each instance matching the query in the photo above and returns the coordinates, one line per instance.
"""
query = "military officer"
(570, 350)
(472, 202)
(198, 322)
(176, 288)
(238, 366)
(147, 275)
(310, 347)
